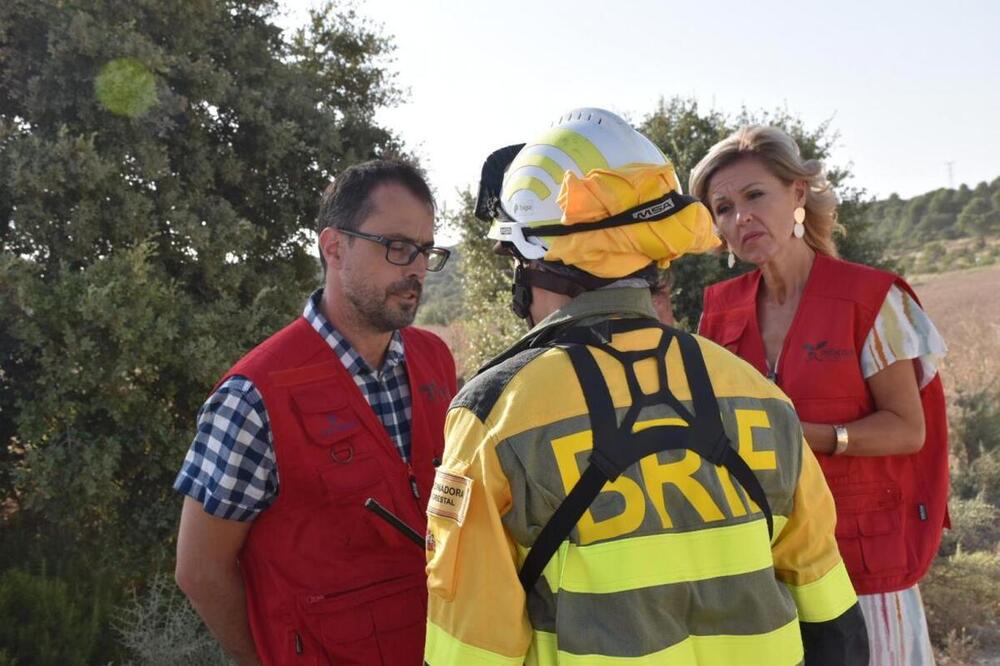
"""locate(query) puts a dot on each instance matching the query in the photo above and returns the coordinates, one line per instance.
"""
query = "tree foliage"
(41, 622)
(488, 323)
(160, 165)
(441, 302)
(942, 214)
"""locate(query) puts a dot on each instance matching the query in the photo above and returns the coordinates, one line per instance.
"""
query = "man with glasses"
(276, 550)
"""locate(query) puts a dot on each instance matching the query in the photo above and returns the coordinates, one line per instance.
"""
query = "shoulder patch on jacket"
(450, 496)
(480, 394)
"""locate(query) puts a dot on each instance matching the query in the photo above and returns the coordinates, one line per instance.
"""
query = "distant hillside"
(944, 214)
(942, 230)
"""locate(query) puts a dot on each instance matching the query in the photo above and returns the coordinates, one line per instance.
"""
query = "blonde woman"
(851, 346)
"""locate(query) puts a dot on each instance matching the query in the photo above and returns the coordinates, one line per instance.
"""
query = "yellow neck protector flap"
(622, 250)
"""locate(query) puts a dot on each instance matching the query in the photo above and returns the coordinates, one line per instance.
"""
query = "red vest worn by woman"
(890, 509)
(327, 581)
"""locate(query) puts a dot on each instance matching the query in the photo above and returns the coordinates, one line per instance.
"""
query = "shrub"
(978, 422)
(975, 526)
(982, 479)
(159, 628)
(40, 624)
(962, 599)
(934, 252)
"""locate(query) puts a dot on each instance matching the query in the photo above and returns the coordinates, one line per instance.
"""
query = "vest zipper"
(298, 643)
(413, 481)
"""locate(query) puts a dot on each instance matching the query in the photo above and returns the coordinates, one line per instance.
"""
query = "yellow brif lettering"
(680, 474)
(655, 475)
(746, 421)
(565, 450)
(732, 497)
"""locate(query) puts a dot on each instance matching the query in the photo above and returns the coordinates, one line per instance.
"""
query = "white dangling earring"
(800, 217)
(731, 260)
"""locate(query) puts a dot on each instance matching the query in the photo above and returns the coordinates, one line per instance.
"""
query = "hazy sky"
(910, 86)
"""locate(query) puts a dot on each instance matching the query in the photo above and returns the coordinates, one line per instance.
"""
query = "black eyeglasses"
(403, 252)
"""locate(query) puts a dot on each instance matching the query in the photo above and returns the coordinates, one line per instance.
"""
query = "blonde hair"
(780, 155)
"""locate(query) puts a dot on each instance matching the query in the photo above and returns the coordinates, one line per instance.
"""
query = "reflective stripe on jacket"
(671, 563)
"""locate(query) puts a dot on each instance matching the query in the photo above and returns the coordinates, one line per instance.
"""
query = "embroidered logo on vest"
(821, 352)
(434, 392)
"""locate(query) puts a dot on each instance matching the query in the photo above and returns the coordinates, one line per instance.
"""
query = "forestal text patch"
(450, 496)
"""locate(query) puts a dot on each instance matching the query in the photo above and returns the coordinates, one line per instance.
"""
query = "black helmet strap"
(525, 278)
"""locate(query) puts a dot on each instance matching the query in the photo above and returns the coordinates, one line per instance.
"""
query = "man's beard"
(374, 310)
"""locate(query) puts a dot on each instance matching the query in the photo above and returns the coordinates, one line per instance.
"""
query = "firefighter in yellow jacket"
(614, 491)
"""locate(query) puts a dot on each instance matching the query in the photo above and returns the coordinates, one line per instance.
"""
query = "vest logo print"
(821, 352)
(450, 495)
(434, 392)
(335, 426)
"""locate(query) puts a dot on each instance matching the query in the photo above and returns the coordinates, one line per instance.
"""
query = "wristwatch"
(842, 439)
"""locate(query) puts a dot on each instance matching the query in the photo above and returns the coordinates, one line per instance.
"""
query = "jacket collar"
(590, 306)
(598, 304)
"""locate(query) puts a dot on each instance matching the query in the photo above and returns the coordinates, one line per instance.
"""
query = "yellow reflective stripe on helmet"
(528, 183)
(541, 223)
(546, 164)
(579, 148)
(443, 648)
(631, 564)
(781, 646)
(826, 598)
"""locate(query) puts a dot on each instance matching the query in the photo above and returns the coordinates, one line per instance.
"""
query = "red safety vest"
(890, 509)
(327, 581)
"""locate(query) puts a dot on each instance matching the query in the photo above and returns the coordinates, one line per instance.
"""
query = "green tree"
(979, 218)
(160, 165)
(488, 323)
(441, 302)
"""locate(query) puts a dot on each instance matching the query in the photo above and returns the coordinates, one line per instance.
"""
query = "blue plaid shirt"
(230, 466)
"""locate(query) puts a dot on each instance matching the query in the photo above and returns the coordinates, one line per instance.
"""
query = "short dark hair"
(664, 281)
(346, 202)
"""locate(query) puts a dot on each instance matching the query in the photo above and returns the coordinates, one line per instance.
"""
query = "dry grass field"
(960, 591)
(965, 306)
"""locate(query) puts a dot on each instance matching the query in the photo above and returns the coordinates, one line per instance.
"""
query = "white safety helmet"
(579, 141)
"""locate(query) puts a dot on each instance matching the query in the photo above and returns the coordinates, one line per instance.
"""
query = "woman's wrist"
(840, 440)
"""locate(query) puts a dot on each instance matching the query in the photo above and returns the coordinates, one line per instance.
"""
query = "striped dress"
(897, 626)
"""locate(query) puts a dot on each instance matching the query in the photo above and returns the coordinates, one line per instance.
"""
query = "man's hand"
(208, 573)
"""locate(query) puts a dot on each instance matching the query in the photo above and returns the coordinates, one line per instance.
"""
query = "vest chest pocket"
(728, 334)
(869, 530)
(350, 471)
(326, 418)
(347, 486)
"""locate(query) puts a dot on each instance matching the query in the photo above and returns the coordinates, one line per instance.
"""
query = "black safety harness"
(616, 447)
